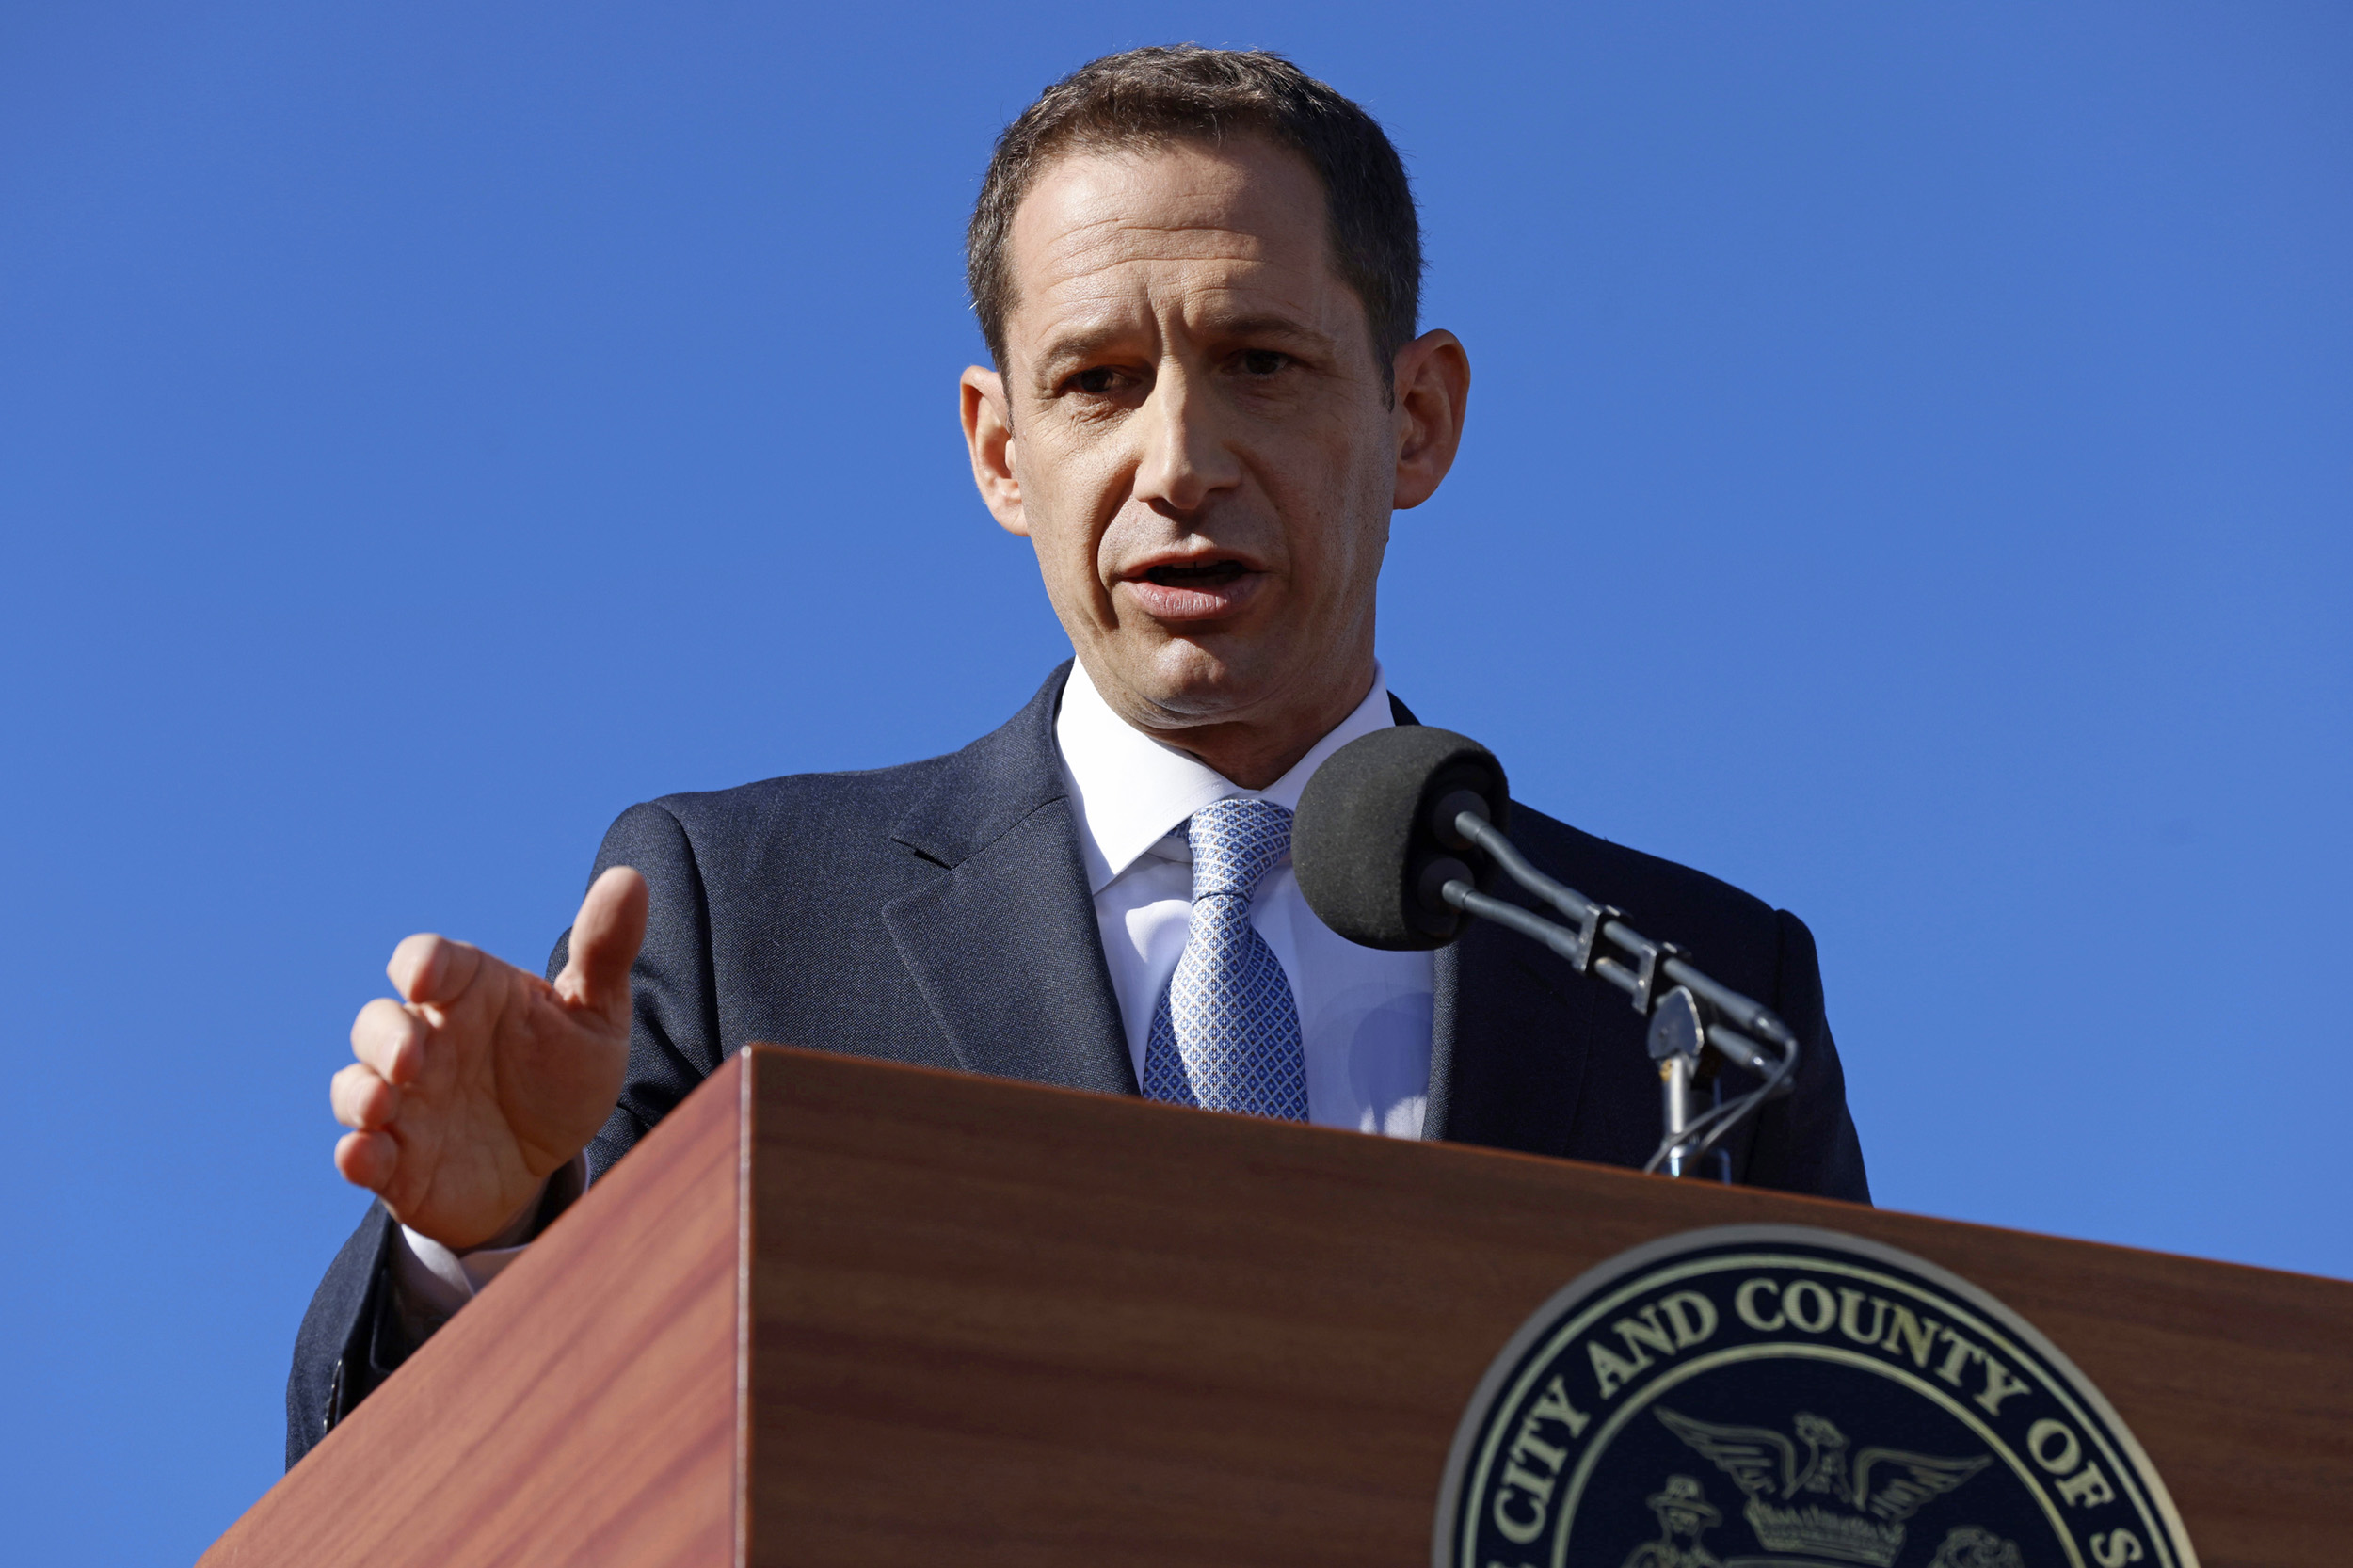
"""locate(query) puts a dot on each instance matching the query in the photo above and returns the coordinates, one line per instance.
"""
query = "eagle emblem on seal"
(1831, 1503)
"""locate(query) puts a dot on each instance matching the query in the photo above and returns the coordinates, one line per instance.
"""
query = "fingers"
(367, 1159)
(364, 1102)
(368, 1154)
(605, 938)
(428, 969)
(389, 1039)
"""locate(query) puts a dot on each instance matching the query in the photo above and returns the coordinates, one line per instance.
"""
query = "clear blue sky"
(1909, 475)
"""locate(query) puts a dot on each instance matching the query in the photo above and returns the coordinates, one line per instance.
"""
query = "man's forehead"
(1095, 226)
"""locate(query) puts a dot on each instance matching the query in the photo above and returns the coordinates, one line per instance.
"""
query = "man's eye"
(1096, 382)
(1263, 362)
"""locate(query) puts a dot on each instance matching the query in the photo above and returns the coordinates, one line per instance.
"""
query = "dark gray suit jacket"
(938, 913)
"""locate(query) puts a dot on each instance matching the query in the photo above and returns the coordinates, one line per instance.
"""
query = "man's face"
(1194, 432)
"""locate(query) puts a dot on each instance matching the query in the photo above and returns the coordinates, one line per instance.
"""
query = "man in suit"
(1197, 272)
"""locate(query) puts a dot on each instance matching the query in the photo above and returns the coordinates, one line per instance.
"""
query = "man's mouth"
(1194, 591)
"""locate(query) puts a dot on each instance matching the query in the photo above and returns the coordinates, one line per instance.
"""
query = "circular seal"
(1782, 1397)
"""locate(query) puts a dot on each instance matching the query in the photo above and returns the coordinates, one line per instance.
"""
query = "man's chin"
(1204, 677)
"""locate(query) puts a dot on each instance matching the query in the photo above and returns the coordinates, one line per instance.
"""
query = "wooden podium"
(835, 1312)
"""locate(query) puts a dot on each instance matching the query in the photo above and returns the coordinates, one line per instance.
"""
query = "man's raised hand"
(466, 1097)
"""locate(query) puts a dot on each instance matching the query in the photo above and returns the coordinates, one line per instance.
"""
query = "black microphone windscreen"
(1363, 836)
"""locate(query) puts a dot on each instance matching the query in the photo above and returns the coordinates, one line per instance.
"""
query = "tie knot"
(1234, 842)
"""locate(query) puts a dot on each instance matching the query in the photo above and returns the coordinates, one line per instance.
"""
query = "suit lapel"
(1003, 944)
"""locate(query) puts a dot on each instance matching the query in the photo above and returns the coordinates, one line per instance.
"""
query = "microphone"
(1383, 845)
(1369, 845)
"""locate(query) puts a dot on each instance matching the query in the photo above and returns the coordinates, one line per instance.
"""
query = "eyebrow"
(1081, 342)
(1279, 326)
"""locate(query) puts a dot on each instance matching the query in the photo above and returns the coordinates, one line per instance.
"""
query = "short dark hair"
(1183, 92)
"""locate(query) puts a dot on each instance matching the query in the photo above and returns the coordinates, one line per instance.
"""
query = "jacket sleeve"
(334, 1355)
(1805, 1141)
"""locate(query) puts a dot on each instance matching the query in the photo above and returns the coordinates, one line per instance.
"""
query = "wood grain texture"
(581, 1410)
(996, 1324)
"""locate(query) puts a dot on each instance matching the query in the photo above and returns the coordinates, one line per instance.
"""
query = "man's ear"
(988, 433)
(1432, 389)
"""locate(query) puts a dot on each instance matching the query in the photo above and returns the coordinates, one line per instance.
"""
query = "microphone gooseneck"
(1382, 847)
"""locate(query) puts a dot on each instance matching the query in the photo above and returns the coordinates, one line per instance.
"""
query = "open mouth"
(1206, 590)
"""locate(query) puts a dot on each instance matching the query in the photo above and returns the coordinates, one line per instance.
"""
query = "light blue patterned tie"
(1225, 1034)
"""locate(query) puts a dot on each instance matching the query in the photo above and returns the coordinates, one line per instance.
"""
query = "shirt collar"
(1131, 790)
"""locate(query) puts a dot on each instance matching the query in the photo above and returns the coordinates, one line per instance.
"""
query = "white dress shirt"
(1364, 1014)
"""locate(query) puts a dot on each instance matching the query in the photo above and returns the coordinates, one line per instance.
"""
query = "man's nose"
(1186, 457)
